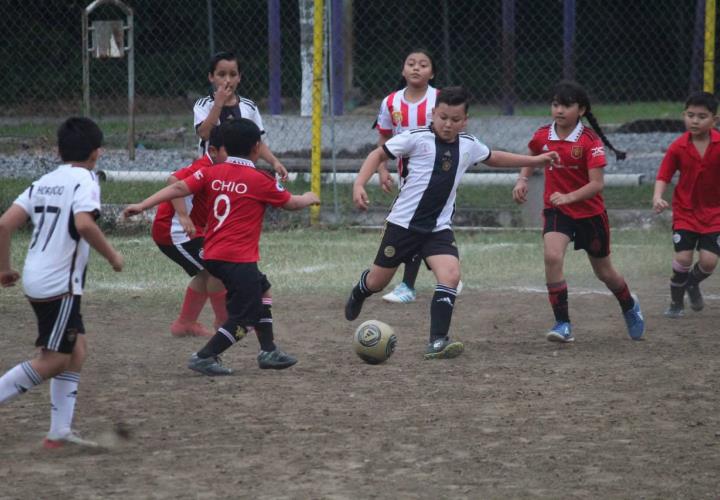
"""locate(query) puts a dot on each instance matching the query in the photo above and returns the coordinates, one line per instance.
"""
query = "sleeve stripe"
(388, 152)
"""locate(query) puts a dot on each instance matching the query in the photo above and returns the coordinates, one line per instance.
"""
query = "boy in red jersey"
(695, 202)
(237, 195)
(574, 208)
(178, 230)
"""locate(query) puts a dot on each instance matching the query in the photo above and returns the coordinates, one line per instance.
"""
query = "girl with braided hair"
(574, 209)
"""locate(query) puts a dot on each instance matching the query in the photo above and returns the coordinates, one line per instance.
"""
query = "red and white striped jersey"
(397, 115)
(166, 228)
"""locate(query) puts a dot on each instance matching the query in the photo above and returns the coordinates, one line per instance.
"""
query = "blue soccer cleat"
(635, 321)
(561, 332)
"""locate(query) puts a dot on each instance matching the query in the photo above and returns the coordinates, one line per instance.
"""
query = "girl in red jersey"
(574, 208)
(695, 203)
(409, 106)
(178, 231)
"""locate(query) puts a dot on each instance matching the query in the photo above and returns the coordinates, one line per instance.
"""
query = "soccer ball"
(374, 341)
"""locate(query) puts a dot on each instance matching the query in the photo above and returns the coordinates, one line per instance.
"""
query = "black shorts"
(245, 286)
(187, 255)
(591, 234)
(690, 240)
(59, 323)
(400, 245)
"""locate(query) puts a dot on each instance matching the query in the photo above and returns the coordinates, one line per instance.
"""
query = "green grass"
(477, 197)
(328, 260)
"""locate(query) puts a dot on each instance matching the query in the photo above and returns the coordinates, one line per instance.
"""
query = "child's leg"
(371, 281)
(217, 294)
(446, 269)
(703, 268)
(63, 391)
(604, 270)
(681, 266)
(555, 245)
(193, 303)
(606, 273)
(264, 327)
(412, 268)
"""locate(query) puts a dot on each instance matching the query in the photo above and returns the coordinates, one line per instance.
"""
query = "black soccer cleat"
(696, 299)
(276, 360)
(353, 306)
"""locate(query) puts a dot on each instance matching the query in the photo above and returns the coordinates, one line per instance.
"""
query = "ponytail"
(568, 92)
(619, 155)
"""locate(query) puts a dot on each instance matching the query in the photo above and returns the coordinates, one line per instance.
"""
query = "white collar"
(427, 93)
(240, 161)
(573, 137)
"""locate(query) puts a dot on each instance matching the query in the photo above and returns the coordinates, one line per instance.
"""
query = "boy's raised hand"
(131, 210)
(9, 278)
(223, 93)
(548, 159)
(280, 170)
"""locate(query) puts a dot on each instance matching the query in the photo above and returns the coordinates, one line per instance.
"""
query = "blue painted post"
(508, 55)
(274, 56)
(338, 57)
(569, 14)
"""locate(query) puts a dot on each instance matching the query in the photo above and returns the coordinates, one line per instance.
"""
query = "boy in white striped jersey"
(420, 221)
(63, 206)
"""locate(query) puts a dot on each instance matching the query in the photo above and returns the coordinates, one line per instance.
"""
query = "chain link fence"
(638, 60)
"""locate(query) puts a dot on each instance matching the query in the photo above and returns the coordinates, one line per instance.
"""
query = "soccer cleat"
(211, 366)
(402, 294)
(674, 310)
(187, 329)
(53, 442)
(696, 299)
(443, 348)
(277, 360)
(353, 307)
(561, 332)
(635, 321)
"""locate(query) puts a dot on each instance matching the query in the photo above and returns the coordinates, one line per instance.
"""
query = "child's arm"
(220, 96)
(177, 190)
(659, 204)
(503, 159)
(181, 210)
(298, 202)
(277, 166)
(596, 184)
(368, 168)
(10, 221)
(520, 191)
(89, 230)
(386, 182)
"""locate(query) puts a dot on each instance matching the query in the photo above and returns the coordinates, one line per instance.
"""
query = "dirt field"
(514, 417)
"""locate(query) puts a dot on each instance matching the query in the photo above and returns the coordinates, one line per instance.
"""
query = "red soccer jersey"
(237, 195)
(166, 228)
(579, 152)
(397, 115)
(696, 199)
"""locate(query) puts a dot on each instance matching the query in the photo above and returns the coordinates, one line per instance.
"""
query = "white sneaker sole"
(556, 337)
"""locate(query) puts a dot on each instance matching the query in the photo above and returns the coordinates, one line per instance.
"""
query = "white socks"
(63, 393)
(17, 381)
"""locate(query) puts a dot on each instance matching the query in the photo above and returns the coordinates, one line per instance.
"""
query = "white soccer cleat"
(52, 442)
(402, 294)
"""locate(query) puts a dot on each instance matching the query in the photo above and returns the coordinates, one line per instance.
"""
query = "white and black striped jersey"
(244, 108)
(56, 260)
(426, 201)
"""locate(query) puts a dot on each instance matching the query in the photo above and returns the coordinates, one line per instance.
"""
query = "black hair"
(704, 99)
(453, 96)
(77, 138)
(224, 55)
(403, 83)
(215, 139)
(239, 136)
(568, 93)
